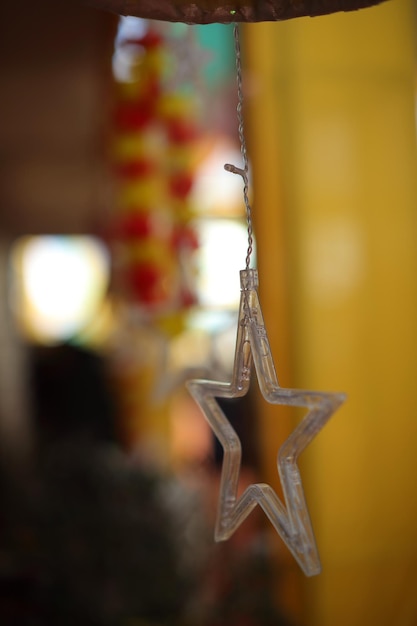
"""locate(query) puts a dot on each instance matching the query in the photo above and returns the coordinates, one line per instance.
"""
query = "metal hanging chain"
(232, 168)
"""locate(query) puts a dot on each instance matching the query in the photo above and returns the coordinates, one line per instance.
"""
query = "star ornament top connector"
(289, 518)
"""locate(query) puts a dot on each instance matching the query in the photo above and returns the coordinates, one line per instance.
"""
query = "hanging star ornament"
(290, 518)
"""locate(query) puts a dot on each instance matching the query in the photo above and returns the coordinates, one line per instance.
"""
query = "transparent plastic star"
(290, 518)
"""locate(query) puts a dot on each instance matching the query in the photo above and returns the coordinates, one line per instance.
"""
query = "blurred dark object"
(100, 539)
(97, 545)
(245, 585)
(71, 395)
(110, 540)
(241, 413)
(208, 11)
(95, 540)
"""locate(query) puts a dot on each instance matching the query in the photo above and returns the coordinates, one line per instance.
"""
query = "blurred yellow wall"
(333, 143)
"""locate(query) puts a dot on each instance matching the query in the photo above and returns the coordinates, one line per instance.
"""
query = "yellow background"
(333, 143)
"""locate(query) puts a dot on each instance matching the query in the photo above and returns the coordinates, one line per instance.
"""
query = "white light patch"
(63, 279)
(223, 251)
(216, 191)
(129, 28)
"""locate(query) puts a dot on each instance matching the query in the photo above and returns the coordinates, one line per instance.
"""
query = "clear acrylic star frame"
(290, 518)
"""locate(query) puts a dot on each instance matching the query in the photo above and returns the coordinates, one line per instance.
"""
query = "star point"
(290, 518)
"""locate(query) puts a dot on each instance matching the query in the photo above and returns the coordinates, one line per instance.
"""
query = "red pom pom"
(132, 116)
(136, 226)
(139, 168)
(147, 283)
(150, 40)
(181, 185)
(188, 299)
(181, 131)
(185, 237)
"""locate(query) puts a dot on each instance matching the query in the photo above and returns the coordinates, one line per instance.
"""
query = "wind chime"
(289, 517)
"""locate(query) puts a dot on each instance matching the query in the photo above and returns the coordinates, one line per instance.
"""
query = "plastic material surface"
(291, 518)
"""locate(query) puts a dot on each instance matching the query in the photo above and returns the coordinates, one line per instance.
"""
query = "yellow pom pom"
(141, 194)
(174, 105)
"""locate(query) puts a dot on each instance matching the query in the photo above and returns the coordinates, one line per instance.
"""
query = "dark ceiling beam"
(225, 11)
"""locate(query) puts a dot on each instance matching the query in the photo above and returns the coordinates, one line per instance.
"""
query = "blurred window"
(58, 285)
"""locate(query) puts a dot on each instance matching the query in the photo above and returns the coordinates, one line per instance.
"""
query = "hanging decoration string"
(289, 513)
(232, 168)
